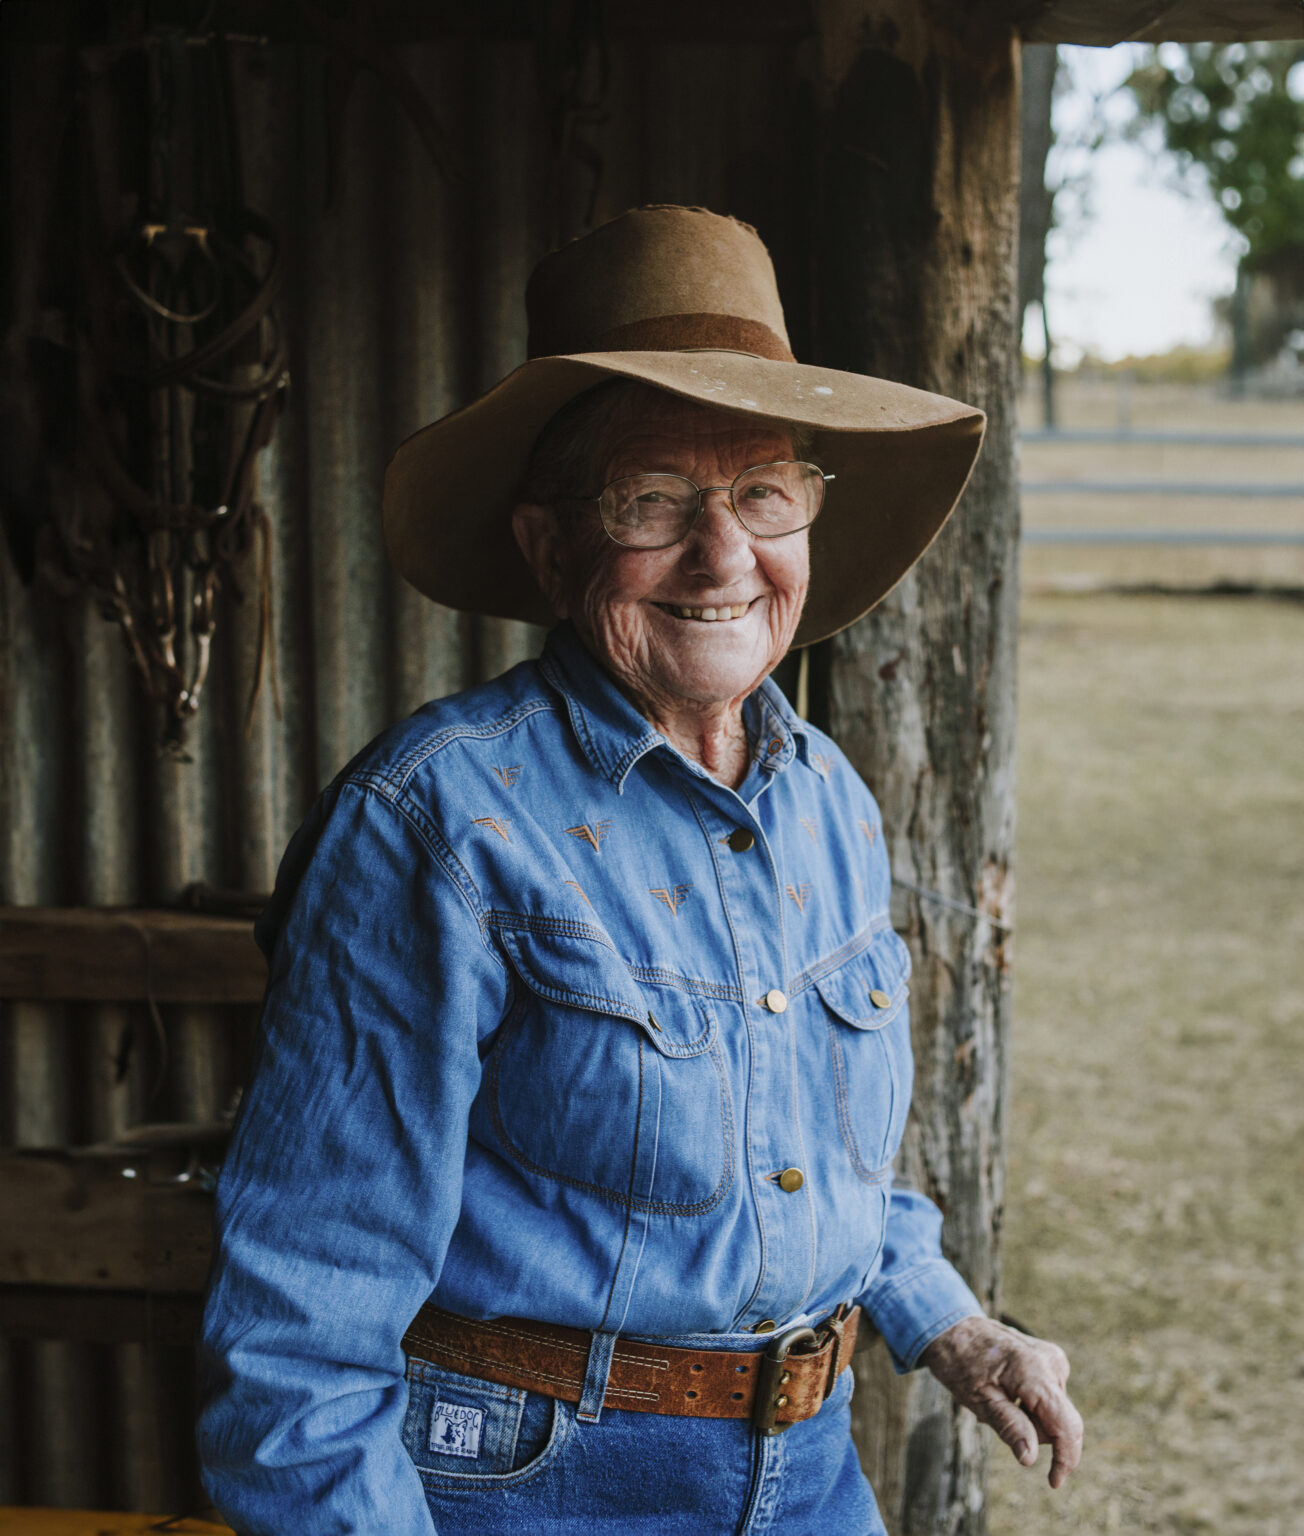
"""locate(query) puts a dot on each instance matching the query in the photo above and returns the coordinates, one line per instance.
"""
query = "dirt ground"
(1154, 1211)
(1155, 1204)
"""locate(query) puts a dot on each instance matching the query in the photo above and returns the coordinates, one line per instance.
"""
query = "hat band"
(678, 333)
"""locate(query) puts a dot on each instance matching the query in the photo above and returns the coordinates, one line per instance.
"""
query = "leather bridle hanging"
(181, 367)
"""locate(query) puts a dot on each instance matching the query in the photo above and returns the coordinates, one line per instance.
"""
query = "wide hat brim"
(901, 458)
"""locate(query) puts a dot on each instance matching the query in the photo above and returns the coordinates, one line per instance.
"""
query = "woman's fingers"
(1008, 1419)
(1038, 1379)
(1062, 1431)
(1049, 1419)
(1015, 1383)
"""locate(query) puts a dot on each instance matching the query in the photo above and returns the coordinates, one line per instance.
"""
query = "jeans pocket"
(462, 1431)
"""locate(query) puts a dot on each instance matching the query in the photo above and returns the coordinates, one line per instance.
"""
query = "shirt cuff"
(913, 1308)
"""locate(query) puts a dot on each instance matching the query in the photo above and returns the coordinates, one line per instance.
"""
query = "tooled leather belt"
(774, 1387)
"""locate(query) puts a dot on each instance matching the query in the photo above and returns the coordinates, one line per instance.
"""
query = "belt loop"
(595, 1377)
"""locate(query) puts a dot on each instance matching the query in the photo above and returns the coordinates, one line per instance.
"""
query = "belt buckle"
(771, 1378)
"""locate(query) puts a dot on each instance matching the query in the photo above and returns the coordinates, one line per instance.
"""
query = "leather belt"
(774, 1387)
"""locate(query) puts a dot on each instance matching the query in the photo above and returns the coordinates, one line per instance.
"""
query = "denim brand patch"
(455, 1429)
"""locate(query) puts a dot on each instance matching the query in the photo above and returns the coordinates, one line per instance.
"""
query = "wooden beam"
(22, 1521)
(81, 1222)
(127, 954)
(919, 179)
(1105, 22)
(98, 1317)
(395, 23)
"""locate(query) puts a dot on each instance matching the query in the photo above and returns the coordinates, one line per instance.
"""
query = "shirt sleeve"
(917, 1293)
(343, 1180)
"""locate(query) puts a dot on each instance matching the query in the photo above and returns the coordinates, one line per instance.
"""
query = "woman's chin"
(714, 670)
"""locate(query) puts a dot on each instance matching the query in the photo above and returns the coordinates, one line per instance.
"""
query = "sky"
(1135, 263)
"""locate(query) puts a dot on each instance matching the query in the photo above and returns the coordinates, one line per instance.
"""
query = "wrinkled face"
(647, 614)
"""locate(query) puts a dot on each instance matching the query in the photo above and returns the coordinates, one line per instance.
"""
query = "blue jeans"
(497, 1461)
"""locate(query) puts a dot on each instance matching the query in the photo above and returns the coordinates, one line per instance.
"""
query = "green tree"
(1234, 114)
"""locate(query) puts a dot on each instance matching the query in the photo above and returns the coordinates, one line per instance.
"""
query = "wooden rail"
(99, 1317)
(127, 954)
(101, 1224)
(18, 1521)
(1150, 438)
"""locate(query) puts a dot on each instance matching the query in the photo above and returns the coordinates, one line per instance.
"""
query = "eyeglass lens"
(655, 511)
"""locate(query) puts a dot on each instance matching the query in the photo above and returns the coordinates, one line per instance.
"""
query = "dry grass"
(1157, 1107)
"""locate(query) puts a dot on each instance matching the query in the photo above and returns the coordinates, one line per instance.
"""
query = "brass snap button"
(775, 1000)
(768, 1326)
(880, 999)
(791, 1180)
(741, 840)
(776, 744)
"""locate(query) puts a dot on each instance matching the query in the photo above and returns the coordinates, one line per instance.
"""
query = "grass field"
(1154, 1212)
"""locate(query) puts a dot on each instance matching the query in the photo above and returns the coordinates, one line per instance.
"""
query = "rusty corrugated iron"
(401, 300)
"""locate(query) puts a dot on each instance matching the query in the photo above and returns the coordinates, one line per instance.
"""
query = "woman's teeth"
(709, 615)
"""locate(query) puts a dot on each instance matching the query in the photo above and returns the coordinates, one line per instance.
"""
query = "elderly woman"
(564, 1181)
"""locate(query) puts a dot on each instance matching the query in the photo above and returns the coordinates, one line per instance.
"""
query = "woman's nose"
(719, 547)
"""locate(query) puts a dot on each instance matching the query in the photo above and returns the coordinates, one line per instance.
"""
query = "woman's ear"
(541, 541)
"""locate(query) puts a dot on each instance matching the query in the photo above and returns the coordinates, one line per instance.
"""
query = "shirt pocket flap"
(869, 990)
(581, 972)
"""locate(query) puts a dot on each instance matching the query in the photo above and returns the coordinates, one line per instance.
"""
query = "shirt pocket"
(868, 1025)
(609, 1085)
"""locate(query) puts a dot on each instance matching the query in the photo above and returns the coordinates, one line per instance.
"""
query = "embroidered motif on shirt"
(823, 765)
(455, 1429)
(592, 835)
(870, 832)
(495, 823)
(509, 776)
(860, 888)
(800, 894)
(810, 827)
(673, 898)
(576, 886)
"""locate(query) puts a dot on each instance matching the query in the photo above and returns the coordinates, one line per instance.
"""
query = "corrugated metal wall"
(403, 300)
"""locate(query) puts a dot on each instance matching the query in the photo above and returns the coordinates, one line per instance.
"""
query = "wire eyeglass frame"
(702, 491)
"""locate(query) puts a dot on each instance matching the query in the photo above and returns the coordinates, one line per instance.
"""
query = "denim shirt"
(550, 1011)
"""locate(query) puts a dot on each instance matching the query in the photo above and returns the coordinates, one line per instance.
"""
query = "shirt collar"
(614, 735)
(607, 726)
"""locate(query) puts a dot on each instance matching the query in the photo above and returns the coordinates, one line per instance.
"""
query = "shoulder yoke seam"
(438, 848)
(396, 775)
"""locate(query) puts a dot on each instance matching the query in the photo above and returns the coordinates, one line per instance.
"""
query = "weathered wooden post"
(915, 280)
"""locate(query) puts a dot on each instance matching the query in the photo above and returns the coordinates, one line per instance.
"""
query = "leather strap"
(671, 333)
(773, 1388)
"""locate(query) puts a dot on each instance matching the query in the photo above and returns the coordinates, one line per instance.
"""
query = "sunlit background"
(1140, 251)
(1156, 1136)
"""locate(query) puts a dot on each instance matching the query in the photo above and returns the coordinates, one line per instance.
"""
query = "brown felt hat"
(684, 300)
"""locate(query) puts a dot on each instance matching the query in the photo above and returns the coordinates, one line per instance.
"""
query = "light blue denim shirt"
(549, 1011)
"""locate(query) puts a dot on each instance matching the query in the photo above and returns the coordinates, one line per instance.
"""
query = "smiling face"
(699, 625)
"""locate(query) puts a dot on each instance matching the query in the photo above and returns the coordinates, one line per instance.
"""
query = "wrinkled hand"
(1016, 1384)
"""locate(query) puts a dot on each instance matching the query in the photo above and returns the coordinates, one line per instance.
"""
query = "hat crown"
(658, 279)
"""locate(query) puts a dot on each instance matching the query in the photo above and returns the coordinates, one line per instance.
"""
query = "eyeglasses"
(656, 511)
